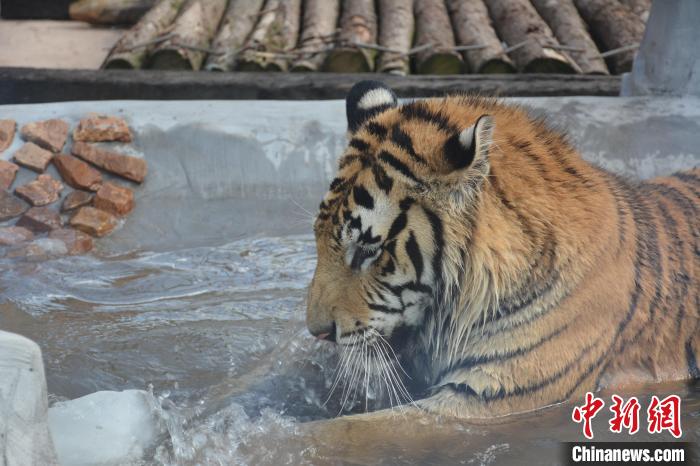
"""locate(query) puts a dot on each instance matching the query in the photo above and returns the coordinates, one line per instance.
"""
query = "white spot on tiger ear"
(466, 137)
(376, 98)
(481, 130)
(484, 130)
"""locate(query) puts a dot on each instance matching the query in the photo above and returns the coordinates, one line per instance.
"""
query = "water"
(217, 334)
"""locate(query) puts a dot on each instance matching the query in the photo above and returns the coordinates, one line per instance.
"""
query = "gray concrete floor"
(55, 44)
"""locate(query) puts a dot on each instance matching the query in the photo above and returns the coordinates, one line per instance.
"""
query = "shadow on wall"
(640, 138)
(208, 185)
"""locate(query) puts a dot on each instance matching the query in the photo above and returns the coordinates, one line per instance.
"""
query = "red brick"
(42, 191)
(49, 134)
(115, 199)
(76, 241)
(7, 133)
(10, 206)
(10, 236)
(33, 157)
(131, 168)
(77, 173)
(102, 128)
(40, 220)
(8, 171)
(76, 199)
(94, 221)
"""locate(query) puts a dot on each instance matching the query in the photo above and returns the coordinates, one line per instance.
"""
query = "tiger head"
(380, 232)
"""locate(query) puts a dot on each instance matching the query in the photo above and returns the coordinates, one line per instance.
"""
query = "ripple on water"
(218, 334)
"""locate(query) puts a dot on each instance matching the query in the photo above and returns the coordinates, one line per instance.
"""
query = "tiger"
(470, 242)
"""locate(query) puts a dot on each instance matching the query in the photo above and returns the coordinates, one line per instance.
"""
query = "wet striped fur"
(507, 272)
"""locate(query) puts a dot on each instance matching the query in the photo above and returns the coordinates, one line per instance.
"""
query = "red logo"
(661, 415)
(587, 412)
(625, 415)
(665, 415)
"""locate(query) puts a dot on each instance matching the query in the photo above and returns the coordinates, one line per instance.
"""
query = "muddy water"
(217, 334)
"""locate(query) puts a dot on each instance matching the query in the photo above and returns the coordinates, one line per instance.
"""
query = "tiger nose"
(325, 333)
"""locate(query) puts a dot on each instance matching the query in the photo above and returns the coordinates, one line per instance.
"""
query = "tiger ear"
(467, 157)
(366, 99)
(463, 149)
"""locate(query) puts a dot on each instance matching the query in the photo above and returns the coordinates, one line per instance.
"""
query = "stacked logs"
(191, 33)
(358, 25)
(318, 25)
(387, 36)
(134, 46)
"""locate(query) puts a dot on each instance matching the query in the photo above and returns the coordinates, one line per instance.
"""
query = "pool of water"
(217, 335)
(199, 297)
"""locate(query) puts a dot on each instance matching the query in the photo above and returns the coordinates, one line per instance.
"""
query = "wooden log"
(131, 50)
(274, 37)
(473, 27)
(237, 24)
(318, 29)
(109, 11)
(518, 23)
(192, 33)
(614, 26)
(570, 30)
(433, 27)
(639, 7)
(358, 25)
(396, 27)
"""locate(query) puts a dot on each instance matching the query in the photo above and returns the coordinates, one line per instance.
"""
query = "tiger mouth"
(369, 336)
(368, 363)
(359, 337)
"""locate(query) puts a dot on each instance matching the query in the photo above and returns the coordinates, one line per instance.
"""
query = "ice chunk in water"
(104, 428)
(24, 434)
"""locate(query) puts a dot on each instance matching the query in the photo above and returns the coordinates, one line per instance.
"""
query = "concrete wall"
(223, 169)
(668, 60)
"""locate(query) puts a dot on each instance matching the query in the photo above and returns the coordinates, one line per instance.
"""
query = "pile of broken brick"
(94, 206)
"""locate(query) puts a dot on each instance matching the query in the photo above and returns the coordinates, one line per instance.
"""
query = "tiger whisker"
(362, 373)
(310, 214)
(350, 385)
(391, 391)
(390, 374)
(350, 367)
(383, 374)
(367, 371)
(341, 368)
(396, 358)
(400, 385)
(396, 378)
(368, 362)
